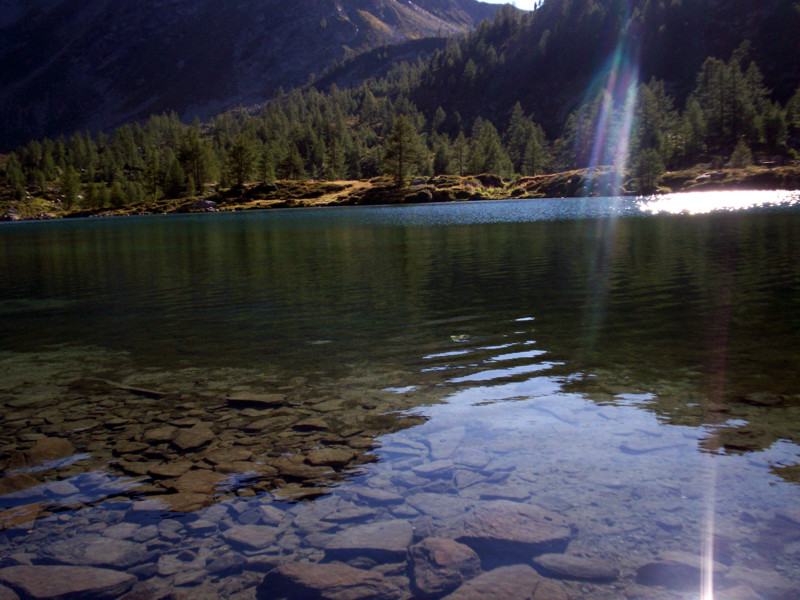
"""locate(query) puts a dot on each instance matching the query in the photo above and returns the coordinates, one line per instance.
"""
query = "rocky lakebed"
(235, 483)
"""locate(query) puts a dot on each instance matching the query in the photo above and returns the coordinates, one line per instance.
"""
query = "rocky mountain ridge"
(69, 64)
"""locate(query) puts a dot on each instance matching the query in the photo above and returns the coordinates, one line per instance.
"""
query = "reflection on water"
(479, 400)
(698, 203)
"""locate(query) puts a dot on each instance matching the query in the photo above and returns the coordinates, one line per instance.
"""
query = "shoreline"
(443, 188)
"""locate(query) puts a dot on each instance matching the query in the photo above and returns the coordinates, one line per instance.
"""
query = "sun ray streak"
(707, 574)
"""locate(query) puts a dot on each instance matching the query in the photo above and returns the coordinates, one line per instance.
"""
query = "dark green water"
(636, 374)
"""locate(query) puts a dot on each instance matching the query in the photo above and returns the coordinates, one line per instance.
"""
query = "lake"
(561, 398)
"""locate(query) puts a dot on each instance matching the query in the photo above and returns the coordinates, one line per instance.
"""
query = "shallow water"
(605, 390)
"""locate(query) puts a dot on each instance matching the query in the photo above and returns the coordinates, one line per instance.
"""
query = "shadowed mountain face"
(68, 64)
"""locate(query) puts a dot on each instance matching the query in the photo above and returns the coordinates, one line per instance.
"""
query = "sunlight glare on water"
(697, 203)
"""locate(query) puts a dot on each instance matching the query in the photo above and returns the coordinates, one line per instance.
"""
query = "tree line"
(376, 129)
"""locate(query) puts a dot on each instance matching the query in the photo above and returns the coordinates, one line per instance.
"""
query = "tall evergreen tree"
(240, 159)
(70, 187)
(266, 165)
(403, 150)
(14, 174)
(175, 179)
(488, 154)
(195, 156)
(460, 153)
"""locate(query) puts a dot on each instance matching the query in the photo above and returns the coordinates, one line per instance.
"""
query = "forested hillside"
(624, 118)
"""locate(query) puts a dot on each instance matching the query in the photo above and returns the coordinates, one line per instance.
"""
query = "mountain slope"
(553, 59)
(67, 64)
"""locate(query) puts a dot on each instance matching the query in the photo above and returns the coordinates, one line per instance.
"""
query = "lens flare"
(616, 89)
(605, 125)
(707, 565)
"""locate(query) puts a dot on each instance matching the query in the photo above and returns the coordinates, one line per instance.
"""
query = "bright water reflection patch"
(697, 203)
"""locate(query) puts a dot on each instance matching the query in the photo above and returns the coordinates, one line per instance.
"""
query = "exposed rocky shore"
(444, 188)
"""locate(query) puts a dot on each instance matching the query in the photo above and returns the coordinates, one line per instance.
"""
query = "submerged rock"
(165, 433)
(330, 581)
(577, 567)
(63, 583)
(330, 456)
(44, 450)
(769, 583)
(170, 564)
(182, 502)
(382, 541)
(502, 529)
(7, 594)
(16, 482)
(742, 592)
(677, 571)
(170, 469)
(256, 400)
(377, 496)
(96, 550)
(225, 564)
(438, 506)
(440, 565)
(197, 481)
(294, 468)
(20, 515)
(312, 424)
(519, 582)
(437, 468)
(194, 437)
(227, 455)
(254, 537)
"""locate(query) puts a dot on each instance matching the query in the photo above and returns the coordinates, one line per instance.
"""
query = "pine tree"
(117, 195)
(14, 175)
(439, 118)
(90, 196)
(460, 154)
(441, 156)
(793, 110)
(133, 193)
(693, 131)
(48, 167)
(488, 154)
(655, 118)
(741, 157)
(240, 159)
(194, 155)
(334, 160)
(773, 124)
(174, 180)
(402, 150)
(103, 197)
(266, 165)
(70, 187)
(191, 189)
(517, 136)
(649, 170)
(533, 161)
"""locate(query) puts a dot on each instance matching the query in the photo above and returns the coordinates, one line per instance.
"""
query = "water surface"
(206, 402)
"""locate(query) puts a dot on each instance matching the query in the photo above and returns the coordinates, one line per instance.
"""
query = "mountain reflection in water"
(572, 396)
